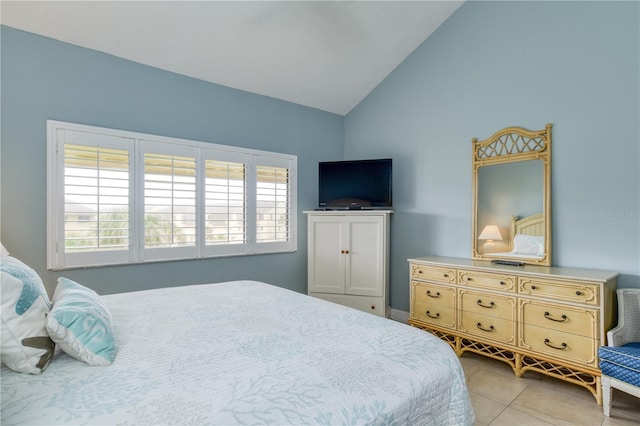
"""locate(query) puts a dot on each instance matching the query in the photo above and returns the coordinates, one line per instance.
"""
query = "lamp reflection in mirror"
(490, 233)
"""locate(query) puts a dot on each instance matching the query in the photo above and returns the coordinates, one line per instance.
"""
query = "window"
(272, 207)
(225, 201)
(118, 197)
(96, 198)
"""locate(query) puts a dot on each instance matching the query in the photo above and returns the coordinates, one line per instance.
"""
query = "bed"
(246, 352)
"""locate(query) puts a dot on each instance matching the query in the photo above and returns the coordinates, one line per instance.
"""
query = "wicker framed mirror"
(512, 196)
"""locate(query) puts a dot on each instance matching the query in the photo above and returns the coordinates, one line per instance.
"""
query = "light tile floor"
(500, 398)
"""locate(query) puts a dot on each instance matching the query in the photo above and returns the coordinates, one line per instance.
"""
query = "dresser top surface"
(546, 271)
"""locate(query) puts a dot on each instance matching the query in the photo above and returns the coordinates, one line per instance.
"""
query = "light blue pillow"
(80, 324)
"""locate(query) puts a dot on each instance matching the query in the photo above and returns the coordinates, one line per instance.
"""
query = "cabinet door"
(326, 257)
(365, 260)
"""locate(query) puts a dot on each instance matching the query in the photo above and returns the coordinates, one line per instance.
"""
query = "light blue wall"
(499, 64)
(46, 79)
(491, 65)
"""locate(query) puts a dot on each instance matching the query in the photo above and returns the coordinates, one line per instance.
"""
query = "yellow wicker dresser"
(545, 319)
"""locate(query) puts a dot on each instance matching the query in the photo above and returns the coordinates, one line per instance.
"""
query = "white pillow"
(80, 324)
(528, 244)
(3, 251)
(24, 304)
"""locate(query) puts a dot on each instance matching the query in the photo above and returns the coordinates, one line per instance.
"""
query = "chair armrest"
(615, 336)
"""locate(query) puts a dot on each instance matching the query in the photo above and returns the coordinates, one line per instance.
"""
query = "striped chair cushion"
(621, 362)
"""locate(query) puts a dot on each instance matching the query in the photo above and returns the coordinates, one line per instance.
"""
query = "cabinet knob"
(373, 307)
(446, 275)
(533, 287)
(579, 293)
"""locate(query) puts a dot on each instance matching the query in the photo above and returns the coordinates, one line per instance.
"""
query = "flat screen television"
(356, 184)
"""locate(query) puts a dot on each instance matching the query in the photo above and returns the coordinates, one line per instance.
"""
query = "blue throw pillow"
(80, 324)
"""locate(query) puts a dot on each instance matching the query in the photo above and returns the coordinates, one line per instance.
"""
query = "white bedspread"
(245, 352)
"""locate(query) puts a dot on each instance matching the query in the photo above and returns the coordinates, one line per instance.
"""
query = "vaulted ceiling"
(322, 54)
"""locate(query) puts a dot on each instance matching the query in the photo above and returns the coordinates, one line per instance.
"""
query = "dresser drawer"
(487, 280)
(433, 273)
(434, 314)
(487, 304)
(566, 319)
(433, 304)
(556, 344)
(574, 291)
(433, 294)
(487, 327)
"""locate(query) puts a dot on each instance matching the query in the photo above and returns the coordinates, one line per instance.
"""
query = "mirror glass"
(504, 191)
(511, 204)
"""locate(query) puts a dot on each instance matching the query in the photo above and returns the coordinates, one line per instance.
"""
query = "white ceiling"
(323, 54)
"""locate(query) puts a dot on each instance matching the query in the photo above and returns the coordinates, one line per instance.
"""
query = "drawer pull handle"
(479, 325)
(431, 295)
(503, 283)
(579, 293)
(469, 279)
(533, 287)
(430, 315)
(446, 275)
(561, 348)
(419, 271)
(490, 305)
(547, 315)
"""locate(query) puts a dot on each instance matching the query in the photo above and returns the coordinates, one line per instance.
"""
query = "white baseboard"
(398, 315)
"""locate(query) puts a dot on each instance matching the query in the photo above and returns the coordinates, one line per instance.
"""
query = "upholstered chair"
(620, 360)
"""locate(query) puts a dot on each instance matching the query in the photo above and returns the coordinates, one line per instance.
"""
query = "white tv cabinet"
(348, 258)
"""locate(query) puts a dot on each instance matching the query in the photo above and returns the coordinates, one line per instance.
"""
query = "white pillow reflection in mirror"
(3, 250)
(528, 244)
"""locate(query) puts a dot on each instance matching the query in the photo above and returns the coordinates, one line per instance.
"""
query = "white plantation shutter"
(274, 213)
(272, 192)
(169, 212)
(94, 201)
(169, 201)
(118, 197)
(96, 193)
(225, 196)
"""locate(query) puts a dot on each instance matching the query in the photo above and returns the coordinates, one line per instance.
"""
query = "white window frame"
(136, 145)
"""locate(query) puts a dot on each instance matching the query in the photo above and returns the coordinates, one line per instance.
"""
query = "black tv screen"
(355, 184)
